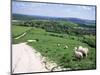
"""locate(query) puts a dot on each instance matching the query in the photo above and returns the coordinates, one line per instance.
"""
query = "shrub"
(90, 40)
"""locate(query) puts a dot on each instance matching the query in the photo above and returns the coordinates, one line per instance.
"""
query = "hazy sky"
(54, 10)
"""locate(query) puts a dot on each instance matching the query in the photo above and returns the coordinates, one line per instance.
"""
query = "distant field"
(47, 46)
(18, 30)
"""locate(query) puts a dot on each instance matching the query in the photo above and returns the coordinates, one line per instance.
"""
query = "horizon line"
(53, 16)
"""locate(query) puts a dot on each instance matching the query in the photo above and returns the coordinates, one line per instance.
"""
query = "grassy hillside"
(34, 17)
(64, 27)
(18, 30)
(47, 46)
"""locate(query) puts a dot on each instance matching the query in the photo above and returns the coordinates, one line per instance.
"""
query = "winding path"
(26, 59)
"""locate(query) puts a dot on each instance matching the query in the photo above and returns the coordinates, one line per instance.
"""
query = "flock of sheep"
(79, 52)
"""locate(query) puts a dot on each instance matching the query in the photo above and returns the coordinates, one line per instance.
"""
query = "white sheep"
(58, 44)
(78, 54)
(66, 47)
(83, 50)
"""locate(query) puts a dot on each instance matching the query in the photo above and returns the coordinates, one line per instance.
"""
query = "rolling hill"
(34, 17)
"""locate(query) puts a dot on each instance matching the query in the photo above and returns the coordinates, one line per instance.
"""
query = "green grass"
(47, 46)
(18, 30)
(90, 40)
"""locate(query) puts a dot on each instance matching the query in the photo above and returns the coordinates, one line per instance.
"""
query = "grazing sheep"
(78, 54)
(80, 47)
(58, 44)
(75, 48)
(66, 47)
(83, 50)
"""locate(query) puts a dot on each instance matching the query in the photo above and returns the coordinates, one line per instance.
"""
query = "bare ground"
(26, 59)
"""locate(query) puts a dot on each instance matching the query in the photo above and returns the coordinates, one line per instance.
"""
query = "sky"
(54, 10)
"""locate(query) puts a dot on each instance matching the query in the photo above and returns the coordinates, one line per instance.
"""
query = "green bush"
(90, 40)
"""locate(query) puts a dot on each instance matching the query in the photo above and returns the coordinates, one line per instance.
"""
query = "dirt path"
(26, 59)
(21, 35)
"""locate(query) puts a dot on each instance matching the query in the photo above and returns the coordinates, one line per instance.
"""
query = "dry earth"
(26, 59)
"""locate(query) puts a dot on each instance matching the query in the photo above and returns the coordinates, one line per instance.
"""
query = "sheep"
(65, 47)
(83, 50)
(78, 54)
(80, 47)
(58, 44)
